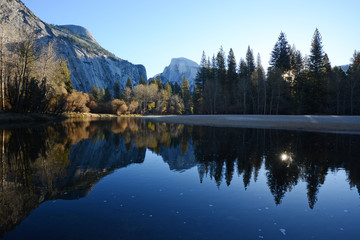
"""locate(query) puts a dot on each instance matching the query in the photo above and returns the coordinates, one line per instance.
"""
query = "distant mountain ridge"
(178, 68)
(345, 67)
(89, 62)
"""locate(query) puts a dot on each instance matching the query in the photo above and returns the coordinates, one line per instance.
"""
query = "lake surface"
(133, 179)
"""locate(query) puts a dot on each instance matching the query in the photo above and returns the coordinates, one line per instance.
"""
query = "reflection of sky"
(150, 201)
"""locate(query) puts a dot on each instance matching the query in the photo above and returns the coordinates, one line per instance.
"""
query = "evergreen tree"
(316, 85)
(231, 82)
(96, 93)
(117, 94)
(142, 81)
(244, 84)
(259, 87)
(354, 84)
(129, 83)
(177, 88)
(64, 75)
(336, 90)
(152, 81)
(221, 78)
(298, 71)
(279, 77)
(214, 86)
(316, 55)
(250, 62)
(280, 56)
(107, 95)
(327, 64)
(102, 94)
(185, 94)
(296, 61)
(159, 83)
(168, 88)
(199, 85)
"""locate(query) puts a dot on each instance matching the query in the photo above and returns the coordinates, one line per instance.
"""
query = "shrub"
(77, 102)
(133, 106)
(118, 107)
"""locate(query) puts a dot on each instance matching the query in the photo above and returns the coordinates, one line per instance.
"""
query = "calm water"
(131, 179)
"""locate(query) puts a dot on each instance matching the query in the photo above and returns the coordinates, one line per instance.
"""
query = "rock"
(89, 62)
(178, 68)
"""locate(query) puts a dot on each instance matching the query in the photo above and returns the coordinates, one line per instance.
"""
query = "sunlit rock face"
(178, 68)
(89, 62)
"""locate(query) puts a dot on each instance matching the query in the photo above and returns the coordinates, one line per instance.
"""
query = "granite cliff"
(178, 68)
(89, 62)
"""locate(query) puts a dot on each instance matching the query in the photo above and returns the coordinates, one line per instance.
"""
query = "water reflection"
(66, 160)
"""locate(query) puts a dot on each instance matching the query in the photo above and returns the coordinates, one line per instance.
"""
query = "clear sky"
(151, 32)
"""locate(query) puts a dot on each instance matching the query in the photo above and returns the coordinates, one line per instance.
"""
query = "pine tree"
(297, 86)
(102, 94)
(152, 81)
(96, 93)
(159, 82)
(280, 56)
(221, 78)
(327, 64)
(250, 62)
(65, 73)
(177, 88)
(107, 95)
(316, 86)
(232, 78)
(296, 61)
(211, 97)
(354, 84)
(278, 78)
(336, 90)
(185, 94)
(129, 83)
(316, 55)
(199, 85)
(259, 84)
(168, 88)
(142, 81)
(117, 94)
(244, 84)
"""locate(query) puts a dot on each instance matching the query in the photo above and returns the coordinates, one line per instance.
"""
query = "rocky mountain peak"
(178, 68)
(80, 31)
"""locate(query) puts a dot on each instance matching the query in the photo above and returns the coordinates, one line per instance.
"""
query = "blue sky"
(151, 32)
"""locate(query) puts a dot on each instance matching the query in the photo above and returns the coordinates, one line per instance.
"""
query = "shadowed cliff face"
(89, 62)
(66, 160)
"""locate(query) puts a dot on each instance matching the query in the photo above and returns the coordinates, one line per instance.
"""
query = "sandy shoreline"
(290, 122)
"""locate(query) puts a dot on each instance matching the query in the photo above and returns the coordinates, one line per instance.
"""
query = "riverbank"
(289, 122)
(8, 119)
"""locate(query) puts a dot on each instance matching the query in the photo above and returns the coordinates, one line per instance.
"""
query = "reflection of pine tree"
(282, 175)
(313, 184)
(229, 171)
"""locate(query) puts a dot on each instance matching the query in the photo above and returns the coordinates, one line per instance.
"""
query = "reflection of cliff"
(177, 159)
(56, 162)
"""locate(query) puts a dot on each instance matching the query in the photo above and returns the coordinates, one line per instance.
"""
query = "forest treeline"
(34, 79)
(293, 83)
